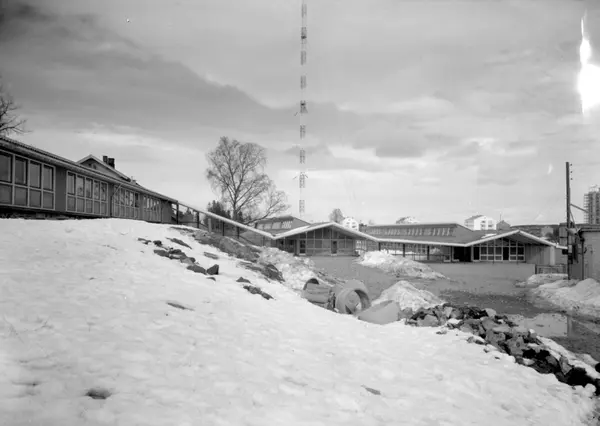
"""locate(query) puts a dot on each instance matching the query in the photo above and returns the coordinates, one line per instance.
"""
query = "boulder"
(255, 290)
(211, 256)
(186, 261)
(242, 280)
(157, 243)
(197, 269)
(180, 242)
(490, 312)
(382, 313)
(161, 252)
(428, 321)
(213, 270)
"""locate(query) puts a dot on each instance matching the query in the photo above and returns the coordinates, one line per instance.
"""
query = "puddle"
(548, 325)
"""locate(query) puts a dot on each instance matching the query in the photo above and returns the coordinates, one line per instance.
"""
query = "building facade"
(480, 223)
(36, 183)
(591, 204)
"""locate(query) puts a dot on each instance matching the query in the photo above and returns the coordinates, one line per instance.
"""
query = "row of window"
(130, 205)
(411, 232)
(275, 225)
(86, 195)
(26, 183)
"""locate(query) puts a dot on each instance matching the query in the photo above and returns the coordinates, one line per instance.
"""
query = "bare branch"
(236, 172)
(9, 120)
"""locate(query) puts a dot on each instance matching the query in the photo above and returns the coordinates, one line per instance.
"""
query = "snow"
(296, 271)
(398, 265)
(83, 306)
(539, 279)
(581, 297)
(408, 296)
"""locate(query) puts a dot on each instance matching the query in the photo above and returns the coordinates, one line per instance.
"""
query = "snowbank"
(296, 271)
(539, 279)
(408, 296)
(581, 297)
(398, 265)
(87, 337)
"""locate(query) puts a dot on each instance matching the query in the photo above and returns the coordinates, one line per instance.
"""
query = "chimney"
(111, 162)
(105, 159)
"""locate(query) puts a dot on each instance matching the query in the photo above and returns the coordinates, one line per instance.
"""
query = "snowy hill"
(98, 329)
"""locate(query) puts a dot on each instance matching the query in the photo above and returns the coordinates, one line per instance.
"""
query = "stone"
(243, 280)
(454, 323)
(496, 339)
(405, 313)
(211, 278)
(448, 311)
(465, 328)
(476, 339)
(197, 269)
(515, 346)
(255, 290)
(180, 242)
(176, 252)
(565, 367)
(161, 252)
(273, 273)
(490, 312)
(490, 348)
(457, 314)
(210, 255)
(145, 241)
(502, 328)
(488, 324)
(186, 261)
(157, 243)
(442, 331)
(176, 256)
(526, 361)
(428, 321)
(213, 270)
(382, 313)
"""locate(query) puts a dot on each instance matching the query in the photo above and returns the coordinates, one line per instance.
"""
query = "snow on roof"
(477, 216)
(313, 227)
(155, 319)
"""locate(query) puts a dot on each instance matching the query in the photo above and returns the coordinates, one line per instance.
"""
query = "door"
(334, 246)
(506, 254)
(302, 246)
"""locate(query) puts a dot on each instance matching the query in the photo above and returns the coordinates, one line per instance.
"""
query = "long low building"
(435, 242)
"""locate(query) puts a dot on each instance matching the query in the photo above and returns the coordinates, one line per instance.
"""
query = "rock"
(273, 273)
(490, 348)
(211, 278)
(526, 361)
(428, 321)
(488, 324)
(490, 312)
(161, 252)
(213, 270)
(564, 365)
(515, 346)
(186, 261)
(197, 269)
(243, 280)
(210, 255)
(181, 243)
(145, 241)
(177, 256)
(597, 367)
(176, 252)
(255, 290)
(448, 311)
(442, 331)
(502, 328)
(496, 339)
(405, 313)
(179, 305)
(382, 313)
(454, 323)
(158, 243)
(457, 314)
(476, 339)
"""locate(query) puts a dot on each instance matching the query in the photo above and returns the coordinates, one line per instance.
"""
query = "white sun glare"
(588, 82)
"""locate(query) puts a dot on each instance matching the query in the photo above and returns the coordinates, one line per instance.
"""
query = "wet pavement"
(484, 286)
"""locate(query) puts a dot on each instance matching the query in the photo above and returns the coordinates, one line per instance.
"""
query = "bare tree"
(9, 120)
(336, 216)
(236, 172)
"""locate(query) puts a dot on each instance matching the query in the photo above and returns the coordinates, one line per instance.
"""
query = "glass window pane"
(88, 206)
(116, 210)
(96, 190)
(21, 196)
(88, 188)
(35, 175)
(121, 196)
(137, 200)
(48, 200)
(20, 171)
(71, 204)
(96, 207)
(35, 198)
(80, 187)
(103, 191)
(48, 178)
(103, 209)
(70, 183)
(5, 194)
(80, 205)
(5, 167)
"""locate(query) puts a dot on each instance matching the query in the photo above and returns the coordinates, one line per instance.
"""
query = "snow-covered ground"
(295, 270)
(397, 265)
(539, 279)
(84, 307)
(580, 297)
(409, 297)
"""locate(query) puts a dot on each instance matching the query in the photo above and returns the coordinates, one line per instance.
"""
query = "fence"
(551, 269)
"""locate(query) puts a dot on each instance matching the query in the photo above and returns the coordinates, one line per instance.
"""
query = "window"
(86, 195)
(35, 175)
(6, 168)
(48, 178)
(35, 198)
(20, 171)
(21, 198)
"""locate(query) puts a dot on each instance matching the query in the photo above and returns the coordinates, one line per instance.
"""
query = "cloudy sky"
(435, 109)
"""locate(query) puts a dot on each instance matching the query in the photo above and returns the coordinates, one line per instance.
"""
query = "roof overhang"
(516, 235)
(304, 229)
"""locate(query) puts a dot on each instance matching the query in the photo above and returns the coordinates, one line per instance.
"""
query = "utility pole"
(569, 238)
